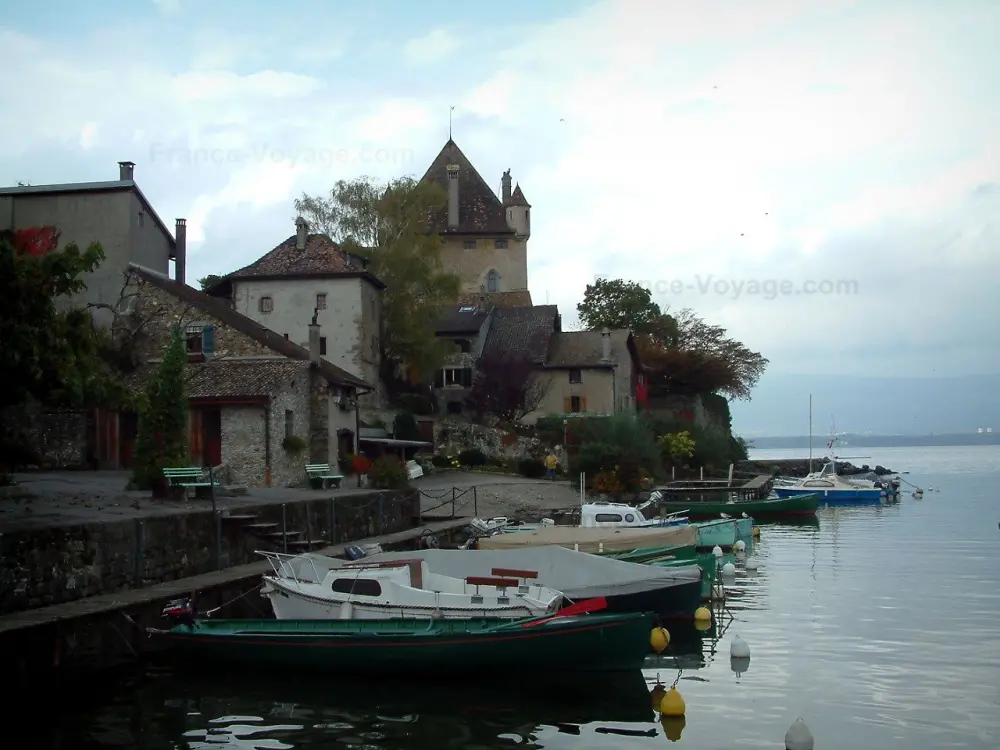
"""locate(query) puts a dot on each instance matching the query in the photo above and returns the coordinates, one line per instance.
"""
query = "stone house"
(309, 274)
(465, 327)
(114, 213)
(249, 387)
(581, 372)
(484, 237)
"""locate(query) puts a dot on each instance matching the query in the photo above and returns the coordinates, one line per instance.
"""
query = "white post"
(701, 473)
(673, 473)
(730, 482)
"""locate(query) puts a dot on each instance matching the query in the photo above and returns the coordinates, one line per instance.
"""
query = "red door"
(211, 433)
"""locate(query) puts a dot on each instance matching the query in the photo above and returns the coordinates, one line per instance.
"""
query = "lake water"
(879, 626)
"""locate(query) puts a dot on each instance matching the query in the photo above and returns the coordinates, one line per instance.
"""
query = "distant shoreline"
(847, 441)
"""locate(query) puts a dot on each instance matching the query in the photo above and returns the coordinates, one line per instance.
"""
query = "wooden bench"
(322, 473)
(189, 477)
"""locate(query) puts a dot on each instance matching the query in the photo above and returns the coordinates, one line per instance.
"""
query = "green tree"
(686, 355)
(387, 223)
(52, 353)
(209, 281)
(163, 418)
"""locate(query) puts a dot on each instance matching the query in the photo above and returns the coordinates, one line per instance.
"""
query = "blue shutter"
(208, 340)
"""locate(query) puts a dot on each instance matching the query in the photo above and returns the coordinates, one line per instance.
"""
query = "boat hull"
(724, 532)
(849, 496)
(673, 602)
(802, 505)
(588, 643)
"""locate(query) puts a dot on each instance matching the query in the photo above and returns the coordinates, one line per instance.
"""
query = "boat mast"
(810, 433)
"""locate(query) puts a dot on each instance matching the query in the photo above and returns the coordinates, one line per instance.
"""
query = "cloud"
(432, 47)
(170, 7)
(704, 147)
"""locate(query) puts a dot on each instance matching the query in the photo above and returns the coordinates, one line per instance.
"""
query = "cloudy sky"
(815, 176)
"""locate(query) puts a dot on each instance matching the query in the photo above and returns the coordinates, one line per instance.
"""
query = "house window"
(454, 407)
(454, 377)
(493, 281)
(500, 244)
(469, 244)
(575, 376)
(359, 586)
(467, 308)
(322, 346)
(194, 339)
(289, 423)
(320, 301)
(266, 305)
(464, 345)
(575, 404)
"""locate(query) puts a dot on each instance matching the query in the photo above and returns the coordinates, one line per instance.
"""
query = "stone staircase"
(270, 534)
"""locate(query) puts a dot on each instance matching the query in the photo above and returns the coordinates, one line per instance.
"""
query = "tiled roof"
(517, 198)
(220, 310)
(320, 257)
(523, 330)
(520, 298)
(585, 349)
(458, 319)
(232, 378)
(479, 209)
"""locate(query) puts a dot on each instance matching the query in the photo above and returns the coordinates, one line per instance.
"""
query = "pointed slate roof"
(479, 209)
(517, 197)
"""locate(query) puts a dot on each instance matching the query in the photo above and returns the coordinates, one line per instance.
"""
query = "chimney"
(180, 250)
(126, 170)
(301, 233)
(314, 341)
(605, 345)
(505, 181)
(453, 196)
(481, 307)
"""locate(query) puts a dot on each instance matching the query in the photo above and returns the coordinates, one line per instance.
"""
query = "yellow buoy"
(703, 614)
(756, 531)
(672, 727)
(672, 705)
(702, 625)
(659, 639)
(656, 695)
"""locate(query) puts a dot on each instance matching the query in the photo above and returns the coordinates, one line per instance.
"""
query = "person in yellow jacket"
(551, 462)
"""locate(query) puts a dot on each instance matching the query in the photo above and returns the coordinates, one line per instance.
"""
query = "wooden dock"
(756, 488)
(122, 600)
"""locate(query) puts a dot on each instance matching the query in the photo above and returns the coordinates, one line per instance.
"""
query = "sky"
(820, 178)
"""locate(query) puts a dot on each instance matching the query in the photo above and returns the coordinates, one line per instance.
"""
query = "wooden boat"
(625, 586)
(579, 643)
(313, 587)
(592, 540)
(769, 509)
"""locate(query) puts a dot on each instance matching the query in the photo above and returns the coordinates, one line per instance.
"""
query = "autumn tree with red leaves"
(506, 386)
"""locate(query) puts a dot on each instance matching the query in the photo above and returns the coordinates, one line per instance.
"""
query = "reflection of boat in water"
(304, 712)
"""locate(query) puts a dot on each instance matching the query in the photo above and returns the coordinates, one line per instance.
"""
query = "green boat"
(583, 643)
(724, 532)
(770, 508)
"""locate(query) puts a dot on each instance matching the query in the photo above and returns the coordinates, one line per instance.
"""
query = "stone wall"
(57, 439)
(681, 408)
(40, 567)
(451, 436)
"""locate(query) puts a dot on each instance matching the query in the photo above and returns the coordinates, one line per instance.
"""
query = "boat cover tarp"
(577, 575)
(592, 539)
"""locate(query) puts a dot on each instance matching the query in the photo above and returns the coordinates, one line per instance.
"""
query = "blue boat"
(832, 489)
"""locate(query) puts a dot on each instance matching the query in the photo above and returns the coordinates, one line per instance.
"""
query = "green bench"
(322, 474)
(189, 477)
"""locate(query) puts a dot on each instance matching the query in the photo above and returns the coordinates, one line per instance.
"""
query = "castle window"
(266, 305)
(500, 244)
(493, 281)
(321, 301)
(469, 244)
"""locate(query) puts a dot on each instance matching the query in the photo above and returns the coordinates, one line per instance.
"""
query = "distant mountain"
(877, 406)
(847, 442)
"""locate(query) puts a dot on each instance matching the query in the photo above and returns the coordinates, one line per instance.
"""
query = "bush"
(472, 457)
(388, 473)
(415, 403)
(404, 427)
(442, 462)
(163, 419)
(293, 444)
(531, 467)
(623, 444)
(346, 463)
(713, 447)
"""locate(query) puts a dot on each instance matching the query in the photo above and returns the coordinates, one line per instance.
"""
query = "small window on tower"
(500, 244)
(469, 244)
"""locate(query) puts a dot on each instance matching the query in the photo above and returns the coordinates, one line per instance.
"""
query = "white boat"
(314, 587)
(831, 488)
